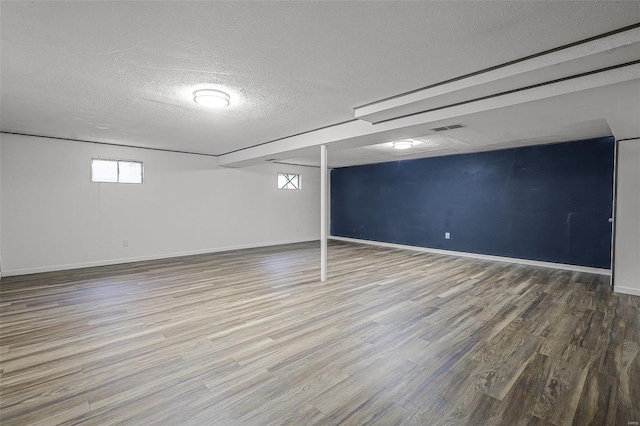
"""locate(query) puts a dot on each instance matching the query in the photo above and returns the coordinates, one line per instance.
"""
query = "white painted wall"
(627, 243)
(0, 208)
(54, 217)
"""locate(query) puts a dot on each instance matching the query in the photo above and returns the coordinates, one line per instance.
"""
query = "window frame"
(285, 174)
(117, 161)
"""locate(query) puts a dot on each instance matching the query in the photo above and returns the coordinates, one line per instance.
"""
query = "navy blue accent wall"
(548, 202)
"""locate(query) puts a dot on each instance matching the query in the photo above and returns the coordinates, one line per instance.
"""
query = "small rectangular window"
(104, 171)
(116, 171)
(289, 181)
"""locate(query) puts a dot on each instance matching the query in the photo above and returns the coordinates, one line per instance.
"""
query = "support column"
(323, 213)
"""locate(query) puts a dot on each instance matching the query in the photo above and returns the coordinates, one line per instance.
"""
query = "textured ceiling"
(463, 140)
(122, 72)
(579, 115)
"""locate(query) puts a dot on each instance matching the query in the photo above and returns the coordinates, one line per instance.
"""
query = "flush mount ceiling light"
(404, 144)
(211, 98)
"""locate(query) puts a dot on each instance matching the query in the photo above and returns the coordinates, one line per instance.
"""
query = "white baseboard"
(626, 290)
(575, 268)
(53, 268)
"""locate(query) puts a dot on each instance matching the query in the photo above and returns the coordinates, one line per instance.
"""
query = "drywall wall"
(549, 203)
(54, 217)
(0, 208)
(626, 272)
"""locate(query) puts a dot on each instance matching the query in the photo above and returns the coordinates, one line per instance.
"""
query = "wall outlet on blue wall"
(447, 236)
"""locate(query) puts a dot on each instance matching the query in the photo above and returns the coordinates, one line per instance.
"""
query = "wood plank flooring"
(252, 338)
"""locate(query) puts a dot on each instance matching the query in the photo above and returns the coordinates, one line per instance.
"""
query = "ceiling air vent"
(452, 127)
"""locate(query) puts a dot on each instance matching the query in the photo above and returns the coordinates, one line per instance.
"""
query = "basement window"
(289, 181)
(116, 171)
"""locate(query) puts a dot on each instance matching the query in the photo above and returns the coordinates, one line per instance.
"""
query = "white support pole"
(323, 213)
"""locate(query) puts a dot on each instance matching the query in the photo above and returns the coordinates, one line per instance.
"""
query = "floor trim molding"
(52, 268)
(575, 268)
(627, 290)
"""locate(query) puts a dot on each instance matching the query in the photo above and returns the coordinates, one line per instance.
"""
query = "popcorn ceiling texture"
(123, 72)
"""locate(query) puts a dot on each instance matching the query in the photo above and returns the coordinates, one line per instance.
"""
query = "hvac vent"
(452, 127)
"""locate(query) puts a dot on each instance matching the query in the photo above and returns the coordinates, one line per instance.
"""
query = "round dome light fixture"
(404, 144)
(211, 98)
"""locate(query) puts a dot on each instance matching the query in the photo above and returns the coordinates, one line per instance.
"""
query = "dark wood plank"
(564, 383)
(597, 404)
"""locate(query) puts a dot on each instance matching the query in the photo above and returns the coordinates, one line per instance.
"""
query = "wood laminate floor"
(252, 337)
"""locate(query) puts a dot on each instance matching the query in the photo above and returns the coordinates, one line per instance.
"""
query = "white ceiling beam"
(361, 133)
(600, 53)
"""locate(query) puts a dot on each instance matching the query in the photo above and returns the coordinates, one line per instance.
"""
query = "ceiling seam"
(293, 164)
(108, 143)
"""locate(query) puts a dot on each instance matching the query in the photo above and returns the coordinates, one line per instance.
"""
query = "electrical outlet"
(447, 236)
(125, 243)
